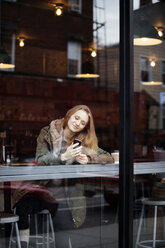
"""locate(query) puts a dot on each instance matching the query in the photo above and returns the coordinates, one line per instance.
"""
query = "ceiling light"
(21, 42)
(145, 34)
(87, 71)
(93, 53)
(87, 75)
(160, 31)
(152, 83)
(58, 7)
(152, 63)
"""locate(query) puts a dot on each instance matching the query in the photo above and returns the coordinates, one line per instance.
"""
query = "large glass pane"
(55, 55)
(149, 135)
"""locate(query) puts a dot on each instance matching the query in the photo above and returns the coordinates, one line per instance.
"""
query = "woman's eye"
(83, 123)
(76, 117)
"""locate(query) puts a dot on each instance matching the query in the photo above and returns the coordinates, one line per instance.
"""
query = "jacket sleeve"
(101, 157)
(44, 151)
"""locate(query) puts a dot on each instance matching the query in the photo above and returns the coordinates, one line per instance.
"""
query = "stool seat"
(154, 203)
(8, 218)
(45, 211)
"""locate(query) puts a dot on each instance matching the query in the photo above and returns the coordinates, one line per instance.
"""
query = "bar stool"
(6, 218)
(47, 235)
(155, 203)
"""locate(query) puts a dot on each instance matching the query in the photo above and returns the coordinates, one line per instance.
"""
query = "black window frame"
(126, 125)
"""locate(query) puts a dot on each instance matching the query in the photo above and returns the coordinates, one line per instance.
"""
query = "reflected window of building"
(145, 69)
(74, 58)
(163, 72)
(75, 5)
(163, 117)
(7, 55)
(160, 144)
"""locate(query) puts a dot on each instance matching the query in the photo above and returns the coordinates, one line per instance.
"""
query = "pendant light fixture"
(145, 34)
(5, 59)
(58, 11)
(21, 42)
(152, 83)
(160, 31)
(87, 71)
(93, 53)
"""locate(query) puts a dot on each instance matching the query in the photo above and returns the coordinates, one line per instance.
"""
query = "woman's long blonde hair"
(88, 134)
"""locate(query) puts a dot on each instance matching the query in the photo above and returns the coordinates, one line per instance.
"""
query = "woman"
(55, 142)
(55, 146)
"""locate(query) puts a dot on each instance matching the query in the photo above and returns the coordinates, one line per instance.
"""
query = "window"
(162, 102)
(163, 72)
(163, 106)
(74, 58)
(75, 5)
(145, 70)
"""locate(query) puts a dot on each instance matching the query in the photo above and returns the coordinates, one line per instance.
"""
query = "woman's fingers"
(72, 152)
(75, 145)
(82, 159)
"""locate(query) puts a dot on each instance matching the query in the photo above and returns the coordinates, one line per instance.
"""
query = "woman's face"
(78, 121)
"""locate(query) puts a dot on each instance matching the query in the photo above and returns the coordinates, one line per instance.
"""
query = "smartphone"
(78, 142)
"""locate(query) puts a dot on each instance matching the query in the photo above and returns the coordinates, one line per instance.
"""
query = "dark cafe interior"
(82, 123)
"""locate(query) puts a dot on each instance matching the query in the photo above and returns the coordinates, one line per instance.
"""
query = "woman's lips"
(75, 127)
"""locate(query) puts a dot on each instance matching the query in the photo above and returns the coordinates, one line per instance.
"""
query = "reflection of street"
(100, 228)
(101, 225)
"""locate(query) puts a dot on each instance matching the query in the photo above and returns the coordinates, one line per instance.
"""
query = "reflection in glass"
(44, 85)
(149, 129)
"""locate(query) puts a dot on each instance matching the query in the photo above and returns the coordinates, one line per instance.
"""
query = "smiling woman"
(55, 142)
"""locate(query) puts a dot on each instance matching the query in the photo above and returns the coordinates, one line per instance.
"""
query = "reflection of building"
(149, 115)
(52, 44)
(42, 86)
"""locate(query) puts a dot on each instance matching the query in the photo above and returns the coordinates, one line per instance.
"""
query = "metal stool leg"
(17, 235)
(70, 244)
(163, 222)
(11, 235)
(36, 229)
(155, 223)
(43, 228)
(52, 229)
(14, 225)
(140, 226)
(47, 230)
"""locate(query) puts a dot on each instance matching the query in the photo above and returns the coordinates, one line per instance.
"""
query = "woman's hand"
(71, 152)
(82, 159)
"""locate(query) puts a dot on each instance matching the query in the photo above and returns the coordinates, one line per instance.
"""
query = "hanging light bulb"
(93, 53)
(58, 11)
(21, 42)
(160, 31)
(152, 63)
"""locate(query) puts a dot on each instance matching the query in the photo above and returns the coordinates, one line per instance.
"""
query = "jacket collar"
(56, 133)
